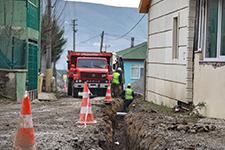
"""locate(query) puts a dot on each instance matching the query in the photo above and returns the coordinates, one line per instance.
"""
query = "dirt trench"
(115, 127)
(151, 127)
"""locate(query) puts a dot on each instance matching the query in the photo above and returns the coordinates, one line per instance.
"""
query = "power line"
(57, 18)
(127, 37)
(116, 36)
(131, 28)
(55, 3)
(91, 38)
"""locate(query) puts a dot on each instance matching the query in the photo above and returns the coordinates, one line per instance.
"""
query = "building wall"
(209, 87)
(170, 80)
(127, 70)
(13, 13)
(12, 84)
(20, 19)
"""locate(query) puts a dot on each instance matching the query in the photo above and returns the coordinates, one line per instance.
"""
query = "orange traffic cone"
(108, 96)
(86, 115)
(25, 136)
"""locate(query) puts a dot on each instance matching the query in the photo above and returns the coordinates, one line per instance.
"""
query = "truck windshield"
(91, 63)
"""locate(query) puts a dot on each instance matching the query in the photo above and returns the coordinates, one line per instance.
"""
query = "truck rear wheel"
(70, 85)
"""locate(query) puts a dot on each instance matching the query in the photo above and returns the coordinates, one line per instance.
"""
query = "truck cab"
(91, 67)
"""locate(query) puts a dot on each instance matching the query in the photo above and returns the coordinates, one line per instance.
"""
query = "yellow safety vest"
(116, 78)
(128, 94)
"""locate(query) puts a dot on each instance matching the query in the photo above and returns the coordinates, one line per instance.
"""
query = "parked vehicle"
(91, 67)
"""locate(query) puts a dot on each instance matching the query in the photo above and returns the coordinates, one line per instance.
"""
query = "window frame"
(202, 33)
(136, 66)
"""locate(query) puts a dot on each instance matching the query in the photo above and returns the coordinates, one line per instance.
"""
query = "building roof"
(144, 6)
(137, 52)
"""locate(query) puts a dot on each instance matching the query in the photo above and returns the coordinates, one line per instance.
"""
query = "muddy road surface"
(56, 125)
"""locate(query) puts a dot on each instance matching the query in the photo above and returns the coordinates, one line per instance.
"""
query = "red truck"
(91, 67)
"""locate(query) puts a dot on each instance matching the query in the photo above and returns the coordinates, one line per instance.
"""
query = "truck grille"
(92, 75)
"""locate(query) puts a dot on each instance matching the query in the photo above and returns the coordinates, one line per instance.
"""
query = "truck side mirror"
(114, 66)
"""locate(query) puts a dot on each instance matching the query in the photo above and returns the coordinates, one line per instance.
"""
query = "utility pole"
(132, 42)
(49, 49)
(74, 33)
(102, 40)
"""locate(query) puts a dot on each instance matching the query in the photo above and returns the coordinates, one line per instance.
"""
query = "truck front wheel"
(75, 92)
(69, 87)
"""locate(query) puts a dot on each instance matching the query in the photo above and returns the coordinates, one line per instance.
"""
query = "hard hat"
(119, 69)
(129, 84)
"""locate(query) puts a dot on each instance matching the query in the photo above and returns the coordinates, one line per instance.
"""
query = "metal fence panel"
(12, 53)
(32, 16)
(32, 75)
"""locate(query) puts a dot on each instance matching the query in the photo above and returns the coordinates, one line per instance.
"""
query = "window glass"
(175, 38)
(212, 25)
(135, 72)
(91, 63)
(222, 50)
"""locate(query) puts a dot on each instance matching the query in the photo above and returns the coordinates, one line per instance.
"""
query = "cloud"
(120, 3)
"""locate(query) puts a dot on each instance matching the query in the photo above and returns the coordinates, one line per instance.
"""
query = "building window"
(211, 38)
(175, 38)
(137, 71)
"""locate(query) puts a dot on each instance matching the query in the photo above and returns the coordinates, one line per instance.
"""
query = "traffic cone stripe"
(85, 102)
(85, 95)
(26, 121)
(108, 97)
(89, 117)
(85, 110)
(108, 94)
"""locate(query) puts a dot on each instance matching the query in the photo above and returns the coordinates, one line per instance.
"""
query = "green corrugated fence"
(33, 16)
(12, 53)
(32, 75)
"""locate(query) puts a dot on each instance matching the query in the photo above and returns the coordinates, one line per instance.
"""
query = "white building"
(186, 50)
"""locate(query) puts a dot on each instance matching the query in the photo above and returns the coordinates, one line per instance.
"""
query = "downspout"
(145, 63)
(195, 43)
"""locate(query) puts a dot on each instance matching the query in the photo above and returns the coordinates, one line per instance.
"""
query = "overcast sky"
(121, 3)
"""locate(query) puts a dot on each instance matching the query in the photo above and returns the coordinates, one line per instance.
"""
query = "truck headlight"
(103, 75)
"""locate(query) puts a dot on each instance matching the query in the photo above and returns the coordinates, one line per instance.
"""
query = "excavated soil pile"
(152, 127)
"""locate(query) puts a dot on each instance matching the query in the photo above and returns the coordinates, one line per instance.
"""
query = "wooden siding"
(167, 78)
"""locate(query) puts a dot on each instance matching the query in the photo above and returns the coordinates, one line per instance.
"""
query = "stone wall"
(12, 84)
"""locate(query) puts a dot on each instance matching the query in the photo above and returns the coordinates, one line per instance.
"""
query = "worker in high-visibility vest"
(128, 96)
(116, 82)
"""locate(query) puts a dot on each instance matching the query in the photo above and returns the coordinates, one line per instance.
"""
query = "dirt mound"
(148, 128)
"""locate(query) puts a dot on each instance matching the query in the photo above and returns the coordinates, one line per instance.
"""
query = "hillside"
(95, 18)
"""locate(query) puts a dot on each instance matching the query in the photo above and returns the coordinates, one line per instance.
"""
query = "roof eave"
(144, 6)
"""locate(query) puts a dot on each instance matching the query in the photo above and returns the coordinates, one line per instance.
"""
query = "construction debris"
(46, 97)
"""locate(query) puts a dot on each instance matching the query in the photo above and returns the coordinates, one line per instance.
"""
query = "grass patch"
(146, 105)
